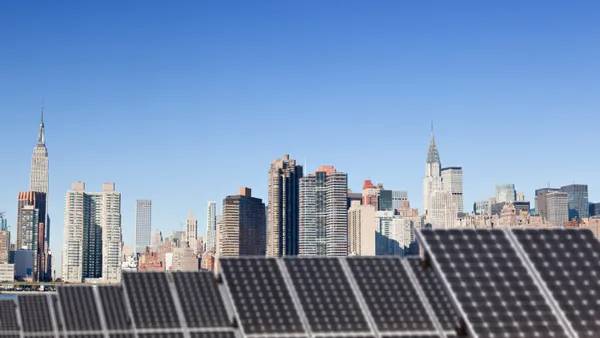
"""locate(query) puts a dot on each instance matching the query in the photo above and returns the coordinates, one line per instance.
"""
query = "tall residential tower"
(324, 213)
(211, 225)
(93, 236)
(282, 228)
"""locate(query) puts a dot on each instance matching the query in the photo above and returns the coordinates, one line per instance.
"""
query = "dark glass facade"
(578, 200)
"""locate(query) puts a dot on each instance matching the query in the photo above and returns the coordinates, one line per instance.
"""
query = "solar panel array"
(470, 283)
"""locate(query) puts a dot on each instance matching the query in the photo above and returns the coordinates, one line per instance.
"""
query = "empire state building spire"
(42, 132)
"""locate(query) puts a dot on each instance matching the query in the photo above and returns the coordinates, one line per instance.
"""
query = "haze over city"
(183, 104)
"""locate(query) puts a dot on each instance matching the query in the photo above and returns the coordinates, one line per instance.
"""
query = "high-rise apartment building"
(370, 194)
(211, 225)
(283, 218)
(557, 204)
(93, 235)
(143, 225)
(242, 230)
(324, 213)
(361, 230)
(505, 193)
(578, 200)
(452, 182)
(31, 229)
(541, 205)
(191, 232)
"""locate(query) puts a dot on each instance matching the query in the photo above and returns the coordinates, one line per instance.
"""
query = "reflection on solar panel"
(260, 296)
(212, 335)
(568, 262)
(326, 295)
(201, 300)
(389, 294)
(151, 300)
(8, 317)
(114, 307)
(436, 295)
(79, 308)
(493, 288)
(35, 314)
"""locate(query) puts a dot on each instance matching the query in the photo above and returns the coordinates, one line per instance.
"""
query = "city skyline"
(464, 88)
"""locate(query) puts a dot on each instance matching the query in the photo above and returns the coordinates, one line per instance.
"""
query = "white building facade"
(211, 225)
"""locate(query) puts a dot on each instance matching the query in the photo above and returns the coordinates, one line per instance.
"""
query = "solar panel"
(212, 335)
(326, 295)
(436, 295)
(568, 262)
(161, 335)
(492, 287)
(8, 316)
(35, 314)
(151, 300)
(201, 300)
(57, 313)
(85, 336)
(114, 307)
(122, 335)
(389, 294)
(9, 335)
(260, 296)
(79, 308)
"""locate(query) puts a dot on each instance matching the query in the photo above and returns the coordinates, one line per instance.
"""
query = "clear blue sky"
(183, 102)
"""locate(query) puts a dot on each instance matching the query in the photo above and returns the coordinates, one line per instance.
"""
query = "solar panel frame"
(444, 311)
(379, 294)
(271, 268)
(154, 288)
(30, 323)
(522, 245)
(8, 315)
(458, 305)
(198, 301)
(115, 308)
(79, 308)
(314, 291)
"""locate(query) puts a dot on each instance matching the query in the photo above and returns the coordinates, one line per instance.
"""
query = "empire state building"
(39, 162)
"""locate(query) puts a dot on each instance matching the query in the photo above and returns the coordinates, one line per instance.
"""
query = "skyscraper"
(39, 183)
(578, 200)
(3, 222)
(143, 225)
(557, 203)
(39, 162)
(93, 235)
(191, 232)
(505, 193)
(211, 225)
(433, 179)
(398, 197)
(31, 225)
(283, 218)
(541, 203)
(324, 213)
(452, 181)
(242, 229)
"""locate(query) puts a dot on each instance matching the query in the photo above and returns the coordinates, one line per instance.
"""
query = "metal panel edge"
(295, 299)
(445, 284)
(229, 297)
(359, 296)
(537, 279)
(177, 304)
(415, 282)
(128, 306)
(50, 304)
